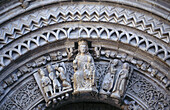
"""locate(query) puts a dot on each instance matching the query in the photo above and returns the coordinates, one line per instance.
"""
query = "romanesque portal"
(78, 55)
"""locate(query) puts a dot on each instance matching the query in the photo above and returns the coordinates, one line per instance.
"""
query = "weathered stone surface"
(112, 54)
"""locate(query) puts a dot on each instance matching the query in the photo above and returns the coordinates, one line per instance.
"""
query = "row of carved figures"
(56, 82)
(84, 77)
(114, 81)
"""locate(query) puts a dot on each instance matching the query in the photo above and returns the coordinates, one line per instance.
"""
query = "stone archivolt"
(84, 12)
(84, 32)
(103, 72)
(153, 96)
(21, 5)
(23, 96)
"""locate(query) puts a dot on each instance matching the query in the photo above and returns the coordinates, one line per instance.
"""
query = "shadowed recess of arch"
(86, 106)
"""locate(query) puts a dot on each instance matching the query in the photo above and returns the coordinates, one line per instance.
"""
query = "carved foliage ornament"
(25, 95)
(154, 97)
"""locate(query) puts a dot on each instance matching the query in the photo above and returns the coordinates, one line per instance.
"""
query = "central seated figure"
(84, 68)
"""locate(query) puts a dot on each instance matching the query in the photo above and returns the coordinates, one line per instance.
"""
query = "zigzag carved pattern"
(82, 12)
(83, 32)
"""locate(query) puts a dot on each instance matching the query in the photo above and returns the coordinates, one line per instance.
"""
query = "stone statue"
(97, 51)
(53, 77)
(61, 69)
(84, 76)
(109, 78)
(120, 84)
(46, 83)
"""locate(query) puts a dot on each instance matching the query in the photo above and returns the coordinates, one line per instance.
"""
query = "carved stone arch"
(127, 58)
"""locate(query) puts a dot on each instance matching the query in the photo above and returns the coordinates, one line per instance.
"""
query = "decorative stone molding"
(27, 94)
(123, 59)
(159, 8)
(148, 92)
(25, 3)
(97, 32)
(94, 13)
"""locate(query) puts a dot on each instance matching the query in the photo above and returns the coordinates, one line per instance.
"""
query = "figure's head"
(56, 66)
(82, 46)
(125, 66)
(49, 68)
(115, 62)
(41, 72)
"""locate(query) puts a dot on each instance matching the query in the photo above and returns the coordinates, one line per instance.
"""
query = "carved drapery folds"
(123, 59)
(53, 82)
(121, 81)
(115, 81)
(109, 78)
(84, 76)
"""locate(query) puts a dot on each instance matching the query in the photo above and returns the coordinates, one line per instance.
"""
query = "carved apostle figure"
(46, 83)
(84, 76)
(62, 74)
(109, 78)
(120, 84)
(53, 77)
